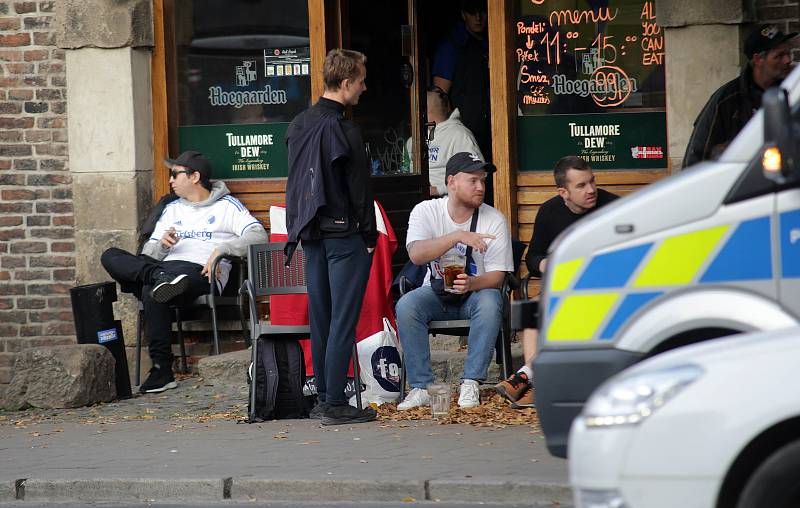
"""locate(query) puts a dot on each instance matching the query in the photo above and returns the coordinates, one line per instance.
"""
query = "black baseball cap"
(466, 162)
(193, 160)
(764, 38)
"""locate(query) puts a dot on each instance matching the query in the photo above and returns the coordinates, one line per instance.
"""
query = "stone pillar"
(703, 40)
(110, 129)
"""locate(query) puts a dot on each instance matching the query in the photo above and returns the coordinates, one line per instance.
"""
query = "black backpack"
(279, 377)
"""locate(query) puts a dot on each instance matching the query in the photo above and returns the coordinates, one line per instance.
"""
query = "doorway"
(400, 40)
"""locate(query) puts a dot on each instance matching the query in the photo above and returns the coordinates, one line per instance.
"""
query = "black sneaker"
(158, 381)
(342, 415)
(169, 286)
(318, 411)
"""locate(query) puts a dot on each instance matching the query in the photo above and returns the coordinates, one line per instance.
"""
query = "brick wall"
(783, 13)
(37, 250)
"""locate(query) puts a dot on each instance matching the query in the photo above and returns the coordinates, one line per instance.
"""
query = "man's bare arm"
(424, 251)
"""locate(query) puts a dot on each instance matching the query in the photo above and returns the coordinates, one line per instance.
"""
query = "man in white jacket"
(175, 264)
(448, 137)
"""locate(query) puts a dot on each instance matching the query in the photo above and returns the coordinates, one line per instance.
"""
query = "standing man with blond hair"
(329, 208)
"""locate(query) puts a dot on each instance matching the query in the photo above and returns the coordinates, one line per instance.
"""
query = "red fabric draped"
(293, 309)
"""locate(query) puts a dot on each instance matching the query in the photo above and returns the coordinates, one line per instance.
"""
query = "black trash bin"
(93, 313)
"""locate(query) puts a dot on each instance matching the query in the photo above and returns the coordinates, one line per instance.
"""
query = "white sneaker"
(415, 398)
(470, 395)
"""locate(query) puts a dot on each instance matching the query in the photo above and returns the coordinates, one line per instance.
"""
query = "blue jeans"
(416, 309)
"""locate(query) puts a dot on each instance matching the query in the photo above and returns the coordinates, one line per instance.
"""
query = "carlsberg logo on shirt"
(203, 235)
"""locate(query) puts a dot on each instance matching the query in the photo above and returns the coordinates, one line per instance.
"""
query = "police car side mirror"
(779, 155)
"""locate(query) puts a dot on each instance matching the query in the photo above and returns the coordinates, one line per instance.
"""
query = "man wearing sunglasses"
(174, 268)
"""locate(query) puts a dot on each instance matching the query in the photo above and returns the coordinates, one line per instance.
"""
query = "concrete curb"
(249, 489)
(137, 489)
(310, 490)
(498, 491)
(8, 491)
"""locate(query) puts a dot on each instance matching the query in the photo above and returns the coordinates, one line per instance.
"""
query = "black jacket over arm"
(328, 175)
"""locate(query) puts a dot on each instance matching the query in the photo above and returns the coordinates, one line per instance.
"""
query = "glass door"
(391, 111)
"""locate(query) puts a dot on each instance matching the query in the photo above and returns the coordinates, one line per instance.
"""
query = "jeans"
(136, 274)
(419, 307)
(337, 270)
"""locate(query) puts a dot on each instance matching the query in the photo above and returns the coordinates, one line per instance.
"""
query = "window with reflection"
(243, 73)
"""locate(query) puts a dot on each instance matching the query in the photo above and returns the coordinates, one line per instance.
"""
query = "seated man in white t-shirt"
(436, 227)
(175, 264)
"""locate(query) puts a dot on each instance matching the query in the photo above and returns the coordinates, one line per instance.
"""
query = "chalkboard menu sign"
(590, 82)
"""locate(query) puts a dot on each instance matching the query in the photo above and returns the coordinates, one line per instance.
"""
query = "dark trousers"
(136, 274)
(337, 270)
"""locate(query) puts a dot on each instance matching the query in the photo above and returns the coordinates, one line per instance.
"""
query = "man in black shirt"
(329, 207)
(578, 196)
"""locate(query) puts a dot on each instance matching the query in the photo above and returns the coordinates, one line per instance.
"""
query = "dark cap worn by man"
(190, 159)
(765, 38)
(466, 162)
(768, 51)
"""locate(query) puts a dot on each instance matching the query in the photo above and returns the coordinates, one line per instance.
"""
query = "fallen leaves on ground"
(494, 411)
(208, 406)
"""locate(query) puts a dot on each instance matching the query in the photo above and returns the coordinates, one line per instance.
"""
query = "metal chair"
(267, 275)
(213, 301)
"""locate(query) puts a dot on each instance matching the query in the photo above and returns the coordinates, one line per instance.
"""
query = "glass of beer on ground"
(452, 263)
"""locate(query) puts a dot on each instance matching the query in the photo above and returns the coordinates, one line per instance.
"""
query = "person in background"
(768, 51)
(447, 137)
(461, 69)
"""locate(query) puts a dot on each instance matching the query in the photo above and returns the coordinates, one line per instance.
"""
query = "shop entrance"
(242, 71)
(400, 40)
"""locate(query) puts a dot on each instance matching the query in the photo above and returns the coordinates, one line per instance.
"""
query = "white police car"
(714, 425)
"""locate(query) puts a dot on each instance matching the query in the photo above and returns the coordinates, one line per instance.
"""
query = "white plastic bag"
(380, 364)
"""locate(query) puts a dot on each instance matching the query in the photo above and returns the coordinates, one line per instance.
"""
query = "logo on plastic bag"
(386, 368)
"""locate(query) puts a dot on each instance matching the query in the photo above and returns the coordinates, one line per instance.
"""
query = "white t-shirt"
(202, 229)
(430, 219)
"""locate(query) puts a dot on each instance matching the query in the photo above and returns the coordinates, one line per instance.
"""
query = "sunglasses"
(175, 173)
